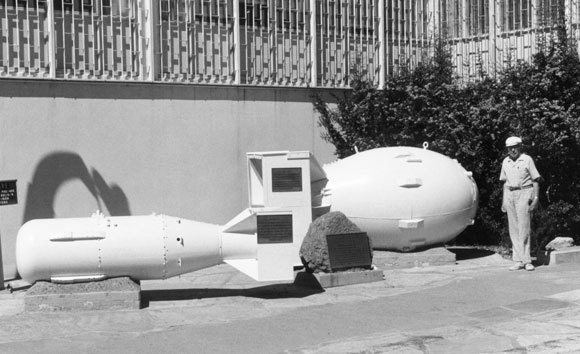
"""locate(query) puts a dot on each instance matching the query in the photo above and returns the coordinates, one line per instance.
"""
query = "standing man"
(520, 197)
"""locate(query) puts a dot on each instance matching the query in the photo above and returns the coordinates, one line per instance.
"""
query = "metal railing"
(96, 39)
(301, 43)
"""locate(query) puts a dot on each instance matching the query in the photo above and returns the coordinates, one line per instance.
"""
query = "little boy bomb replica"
(404, 198)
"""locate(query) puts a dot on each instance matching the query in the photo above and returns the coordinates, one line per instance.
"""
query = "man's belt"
(518, 188)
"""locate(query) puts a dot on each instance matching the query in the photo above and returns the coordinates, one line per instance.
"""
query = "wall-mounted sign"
(287, 179)
(274, 229)
(8, 192)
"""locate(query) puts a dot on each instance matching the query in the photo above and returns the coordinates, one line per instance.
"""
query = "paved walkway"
(475, 306)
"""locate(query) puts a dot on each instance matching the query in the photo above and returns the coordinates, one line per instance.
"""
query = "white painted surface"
(137, 149)
(403, 197)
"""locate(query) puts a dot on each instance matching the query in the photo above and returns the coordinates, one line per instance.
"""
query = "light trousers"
(519, 219)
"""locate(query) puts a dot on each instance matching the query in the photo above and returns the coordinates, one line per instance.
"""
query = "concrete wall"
(140, 148)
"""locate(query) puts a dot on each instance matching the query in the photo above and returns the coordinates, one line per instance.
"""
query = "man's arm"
(503, 198)
(535, 197)
(535, 175)
(503, 178)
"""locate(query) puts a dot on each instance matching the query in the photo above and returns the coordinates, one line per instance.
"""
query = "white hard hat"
(512, 141)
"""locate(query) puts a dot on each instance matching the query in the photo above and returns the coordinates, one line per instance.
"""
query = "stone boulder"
(560, 243)
(314, 249)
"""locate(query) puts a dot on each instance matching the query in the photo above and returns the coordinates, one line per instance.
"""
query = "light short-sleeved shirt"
(519, 173)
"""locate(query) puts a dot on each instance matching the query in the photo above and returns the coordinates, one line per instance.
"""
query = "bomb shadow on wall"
(58, 168)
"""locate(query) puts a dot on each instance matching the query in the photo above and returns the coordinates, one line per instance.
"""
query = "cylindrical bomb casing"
(238, 246)
(403, 197)
(142, 247)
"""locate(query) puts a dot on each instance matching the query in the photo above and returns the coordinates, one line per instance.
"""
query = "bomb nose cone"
(28, 257)
(403, 197)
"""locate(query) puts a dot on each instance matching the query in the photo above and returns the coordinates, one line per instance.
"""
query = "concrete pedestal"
(330, 280)
(566, 255)
(109, 294)
(430, 257)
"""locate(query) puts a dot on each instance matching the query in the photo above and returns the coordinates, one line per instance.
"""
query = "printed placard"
(8, 194)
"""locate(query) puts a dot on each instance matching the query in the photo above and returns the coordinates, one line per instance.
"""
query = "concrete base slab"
(430, 257)
(109, 294)
(567, 255)
(330, 280)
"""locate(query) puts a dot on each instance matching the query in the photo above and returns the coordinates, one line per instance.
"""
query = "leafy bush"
(539, 101)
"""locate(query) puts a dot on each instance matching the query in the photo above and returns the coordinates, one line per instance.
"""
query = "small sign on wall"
(8, 193)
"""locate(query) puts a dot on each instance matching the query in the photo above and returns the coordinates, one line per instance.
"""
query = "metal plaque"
(287, 179)
(274, 229)
(350, 250)
(8, 193)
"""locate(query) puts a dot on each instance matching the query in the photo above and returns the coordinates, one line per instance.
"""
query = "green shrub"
(539, 101)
